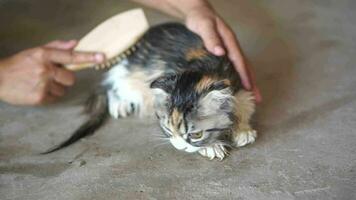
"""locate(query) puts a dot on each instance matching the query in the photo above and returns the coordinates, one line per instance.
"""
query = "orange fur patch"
(204, 83)
(193, 54)
(227, 82)
(245, 107)
(175, 117)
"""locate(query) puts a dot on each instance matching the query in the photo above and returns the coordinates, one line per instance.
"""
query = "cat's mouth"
(180, 144)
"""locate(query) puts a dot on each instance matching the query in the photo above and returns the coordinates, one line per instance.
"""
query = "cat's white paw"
(245, 137)
(120, 106)
(125, 96)
(215, 151)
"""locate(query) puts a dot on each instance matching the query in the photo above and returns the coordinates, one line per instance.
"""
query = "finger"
(60, 44)
(56, 89)
(257, 93)
(71, 57)
(255, 89)
(208, 32)
(235, 53)
(63, 76)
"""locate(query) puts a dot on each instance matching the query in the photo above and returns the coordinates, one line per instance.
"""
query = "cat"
(196, 96)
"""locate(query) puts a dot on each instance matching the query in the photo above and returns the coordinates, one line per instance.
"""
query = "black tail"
(97, 109)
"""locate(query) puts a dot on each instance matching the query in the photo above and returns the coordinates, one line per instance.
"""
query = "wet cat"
(197, 97)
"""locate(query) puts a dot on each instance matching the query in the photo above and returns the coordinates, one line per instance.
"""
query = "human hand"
(219, 39)
(35, 76)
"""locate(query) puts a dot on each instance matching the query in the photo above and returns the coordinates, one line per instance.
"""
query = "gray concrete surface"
(304, 55)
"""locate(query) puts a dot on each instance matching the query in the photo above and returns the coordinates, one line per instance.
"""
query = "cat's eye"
(196, 135)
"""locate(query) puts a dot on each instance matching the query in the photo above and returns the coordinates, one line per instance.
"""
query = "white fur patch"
(123, 98)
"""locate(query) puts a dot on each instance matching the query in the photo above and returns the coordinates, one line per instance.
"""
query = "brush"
(115, 37)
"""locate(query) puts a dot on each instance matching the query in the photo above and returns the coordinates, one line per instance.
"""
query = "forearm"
(176, 8)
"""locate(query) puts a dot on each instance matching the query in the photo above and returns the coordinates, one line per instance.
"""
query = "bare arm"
(218, 37)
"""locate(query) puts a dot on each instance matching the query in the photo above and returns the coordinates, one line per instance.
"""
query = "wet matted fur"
(197, 97)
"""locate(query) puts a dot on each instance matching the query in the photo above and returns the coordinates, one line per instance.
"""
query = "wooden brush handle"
(113, 36)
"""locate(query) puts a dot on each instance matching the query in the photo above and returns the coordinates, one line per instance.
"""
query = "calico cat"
(197, 96)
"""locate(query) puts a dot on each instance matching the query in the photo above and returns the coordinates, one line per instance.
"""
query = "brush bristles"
(113, 61)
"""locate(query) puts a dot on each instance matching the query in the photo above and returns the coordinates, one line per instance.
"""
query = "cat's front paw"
(120, 106)
(122, 109)
(215, 151)
(245, 137)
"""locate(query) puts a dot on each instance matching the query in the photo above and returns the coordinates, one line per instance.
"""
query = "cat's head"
(194, 110)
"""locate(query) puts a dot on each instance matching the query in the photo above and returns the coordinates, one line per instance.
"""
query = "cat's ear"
(165, 83)
(219, 85)
(162, 90)
(218, 99)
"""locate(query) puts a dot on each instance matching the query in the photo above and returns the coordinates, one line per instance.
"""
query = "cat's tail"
(97, 110)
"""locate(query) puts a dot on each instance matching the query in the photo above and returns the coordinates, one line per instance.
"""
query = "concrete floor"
(304, 55)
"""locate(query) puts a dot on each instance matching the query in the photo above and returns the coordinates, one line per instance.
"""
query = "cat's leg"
(128, 93)
(122, 105)
(215, 151)
(243, 134)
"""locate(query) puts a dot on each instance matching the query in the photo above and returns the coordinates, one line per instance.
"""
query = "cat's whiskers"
(161, 136)
(161, 144)
(159, 139)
